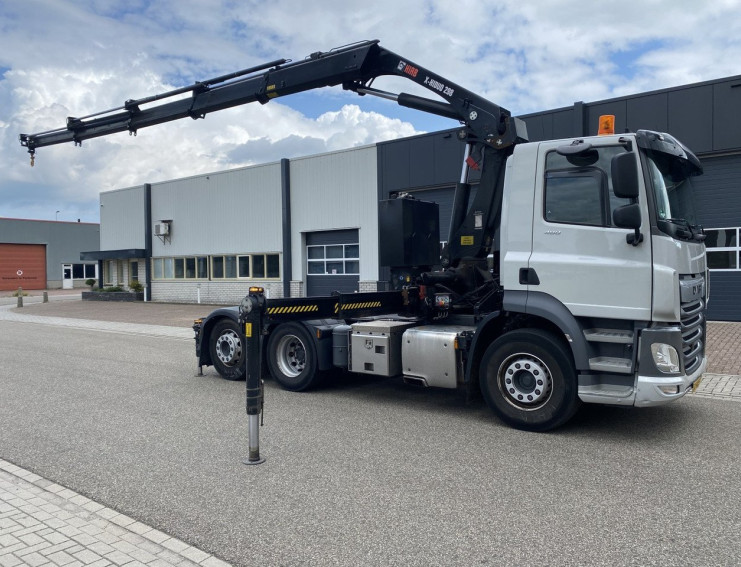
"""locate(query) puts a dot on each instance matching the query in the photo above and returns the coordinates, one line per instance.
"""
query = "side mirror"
(624, 176)
(629, 216)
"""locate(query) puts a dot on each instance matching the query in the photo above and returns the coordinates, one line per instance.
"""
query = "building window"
(108, 269)
(134, 271)
(723, 249)
(185, 268)
(84, 271)
(333, 259)
(222, 267)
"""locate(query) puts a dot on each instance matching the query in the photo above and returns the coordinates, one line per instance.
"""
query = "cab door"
(579, 256)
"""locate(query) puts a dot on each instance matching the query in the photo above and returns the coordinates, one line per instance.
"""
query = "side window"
(575, 197)
(578, 189)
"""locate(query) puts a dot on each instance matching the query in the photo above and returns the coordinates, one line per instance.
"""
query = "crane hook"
(33, 157)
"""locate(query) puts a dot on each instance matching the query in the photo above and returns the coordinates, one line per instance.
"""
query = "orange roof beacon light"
(606, 125)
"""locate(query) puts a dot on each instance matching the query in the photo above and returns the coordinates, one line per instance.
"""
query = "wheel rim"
(229, 348)
(290, 354)
(525, 381)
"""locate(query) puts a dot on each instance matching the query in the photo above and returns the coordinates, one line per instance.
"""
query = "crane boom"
(354, 67)
(486, 126)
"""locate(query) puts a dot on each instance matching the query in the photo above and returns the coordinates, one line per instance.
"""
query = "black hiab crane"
(488, 130)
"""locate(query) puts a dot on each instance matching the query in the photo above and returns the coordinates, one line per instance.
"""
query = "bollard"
(20, 297)
(46, 297)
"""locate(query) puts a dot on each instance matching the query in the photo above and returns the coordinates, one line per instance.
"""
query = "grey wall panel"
(332, 192)
(325, 237)
(317, 286)
(552, 125)
(718, 195)
(64, 240)
(727, 115)
(122, 219)
(563, 125)
(647, 113)
(725, 296)
(229, 212)
(690, 112)
(420, 161)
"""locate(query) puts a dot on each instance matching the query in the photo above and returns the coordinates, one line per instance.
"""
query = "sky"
(61, 58)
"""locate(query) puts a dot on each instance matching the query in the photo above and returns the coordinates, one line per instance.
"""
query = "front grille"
(692, 293)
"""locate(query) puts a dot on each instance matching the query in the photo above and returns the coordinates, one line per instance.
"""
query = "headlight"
(666, 358)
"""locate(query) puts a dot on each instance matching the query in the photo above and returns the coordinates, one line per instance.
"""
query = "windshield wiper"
(692, 232)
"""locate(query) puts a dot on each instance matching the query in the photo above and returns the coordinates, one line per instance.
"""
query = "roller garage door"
(22, 265)
(332, 262)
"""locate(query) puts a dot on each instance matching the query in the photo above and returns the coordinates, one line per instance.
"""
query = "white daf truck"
(574, 271)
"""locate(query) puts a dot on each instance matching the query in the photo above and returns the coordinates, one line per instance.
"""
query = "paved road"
(364, 473)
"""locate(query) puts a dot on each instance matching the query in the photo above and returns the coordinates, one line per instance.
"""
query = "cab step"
(609, 336)
(610, 364)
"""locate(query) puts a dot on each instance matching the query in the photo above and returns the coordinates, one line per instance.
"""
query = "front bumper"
(648, 390)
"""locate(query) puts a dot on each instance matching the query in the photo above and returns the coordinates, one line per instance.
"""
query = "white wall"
(336, 191)
(228, 212)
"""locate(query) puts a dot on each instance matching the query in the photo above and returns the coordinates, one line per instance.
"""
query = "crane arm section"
(354, 67)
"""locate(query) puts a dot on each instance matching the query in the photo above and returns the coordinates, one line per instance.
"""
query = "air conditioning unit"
(162, 228)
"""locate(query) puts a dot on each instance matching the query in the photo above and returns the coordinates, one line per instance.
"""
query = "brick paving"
(724, 348)
(720, 386)
(43, 524)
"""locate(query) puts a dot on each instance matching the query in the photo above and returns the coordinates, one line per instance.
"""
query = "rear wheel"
(292, 357)
(227, 350)
(528, 379)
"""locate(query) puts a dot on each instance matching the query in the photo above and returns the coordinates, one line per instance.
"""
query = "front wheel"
(292, 357)
(227, 350)
(528, 380)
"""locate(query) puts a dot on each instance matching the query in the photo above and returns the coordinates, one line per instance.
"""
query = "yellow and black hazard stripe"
(292, 309)
(361, 305)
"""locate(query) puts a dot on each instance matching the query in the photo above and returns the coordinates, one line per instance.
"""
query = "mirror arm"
(634, 239)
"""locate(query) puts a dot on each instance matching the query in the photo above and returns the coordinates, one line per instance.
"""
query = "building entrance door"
(67, 282)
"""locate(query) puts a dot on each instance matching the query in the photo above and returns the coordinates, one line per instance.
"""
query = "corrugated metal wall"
(718, 205)
(704, 116)
(228, 212)
(336, 191)
(122, 222)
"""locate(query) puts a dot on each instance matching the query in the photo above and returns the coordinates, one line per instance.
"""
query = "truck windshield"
(673, 197)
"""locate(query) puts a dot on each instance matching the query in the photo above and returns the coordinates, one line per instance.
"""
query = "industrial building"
(309, 226)
(36, 254)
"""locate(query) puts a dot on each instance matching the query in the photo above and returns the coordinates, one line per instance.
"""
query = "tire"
(292, 357)
(227, 350)
(528, 380)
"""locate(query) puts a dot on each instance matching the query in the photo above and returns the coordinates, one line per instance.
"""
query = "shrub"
(136, 286)
(90, 283)
(112, 288)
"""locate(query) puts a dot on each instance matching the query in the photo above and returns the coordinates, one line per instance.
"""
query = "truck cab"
(598, 235)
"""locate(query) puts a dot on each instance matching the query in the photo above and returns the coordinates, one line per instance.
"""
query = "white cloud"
(64, 57)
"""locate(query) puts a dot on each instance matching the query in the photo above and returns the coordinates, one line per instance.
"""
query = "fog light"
(665, 358)
(669, 389)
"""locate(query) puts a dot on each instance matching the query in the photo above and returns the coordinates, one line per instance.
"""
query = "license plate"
(696, 384)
